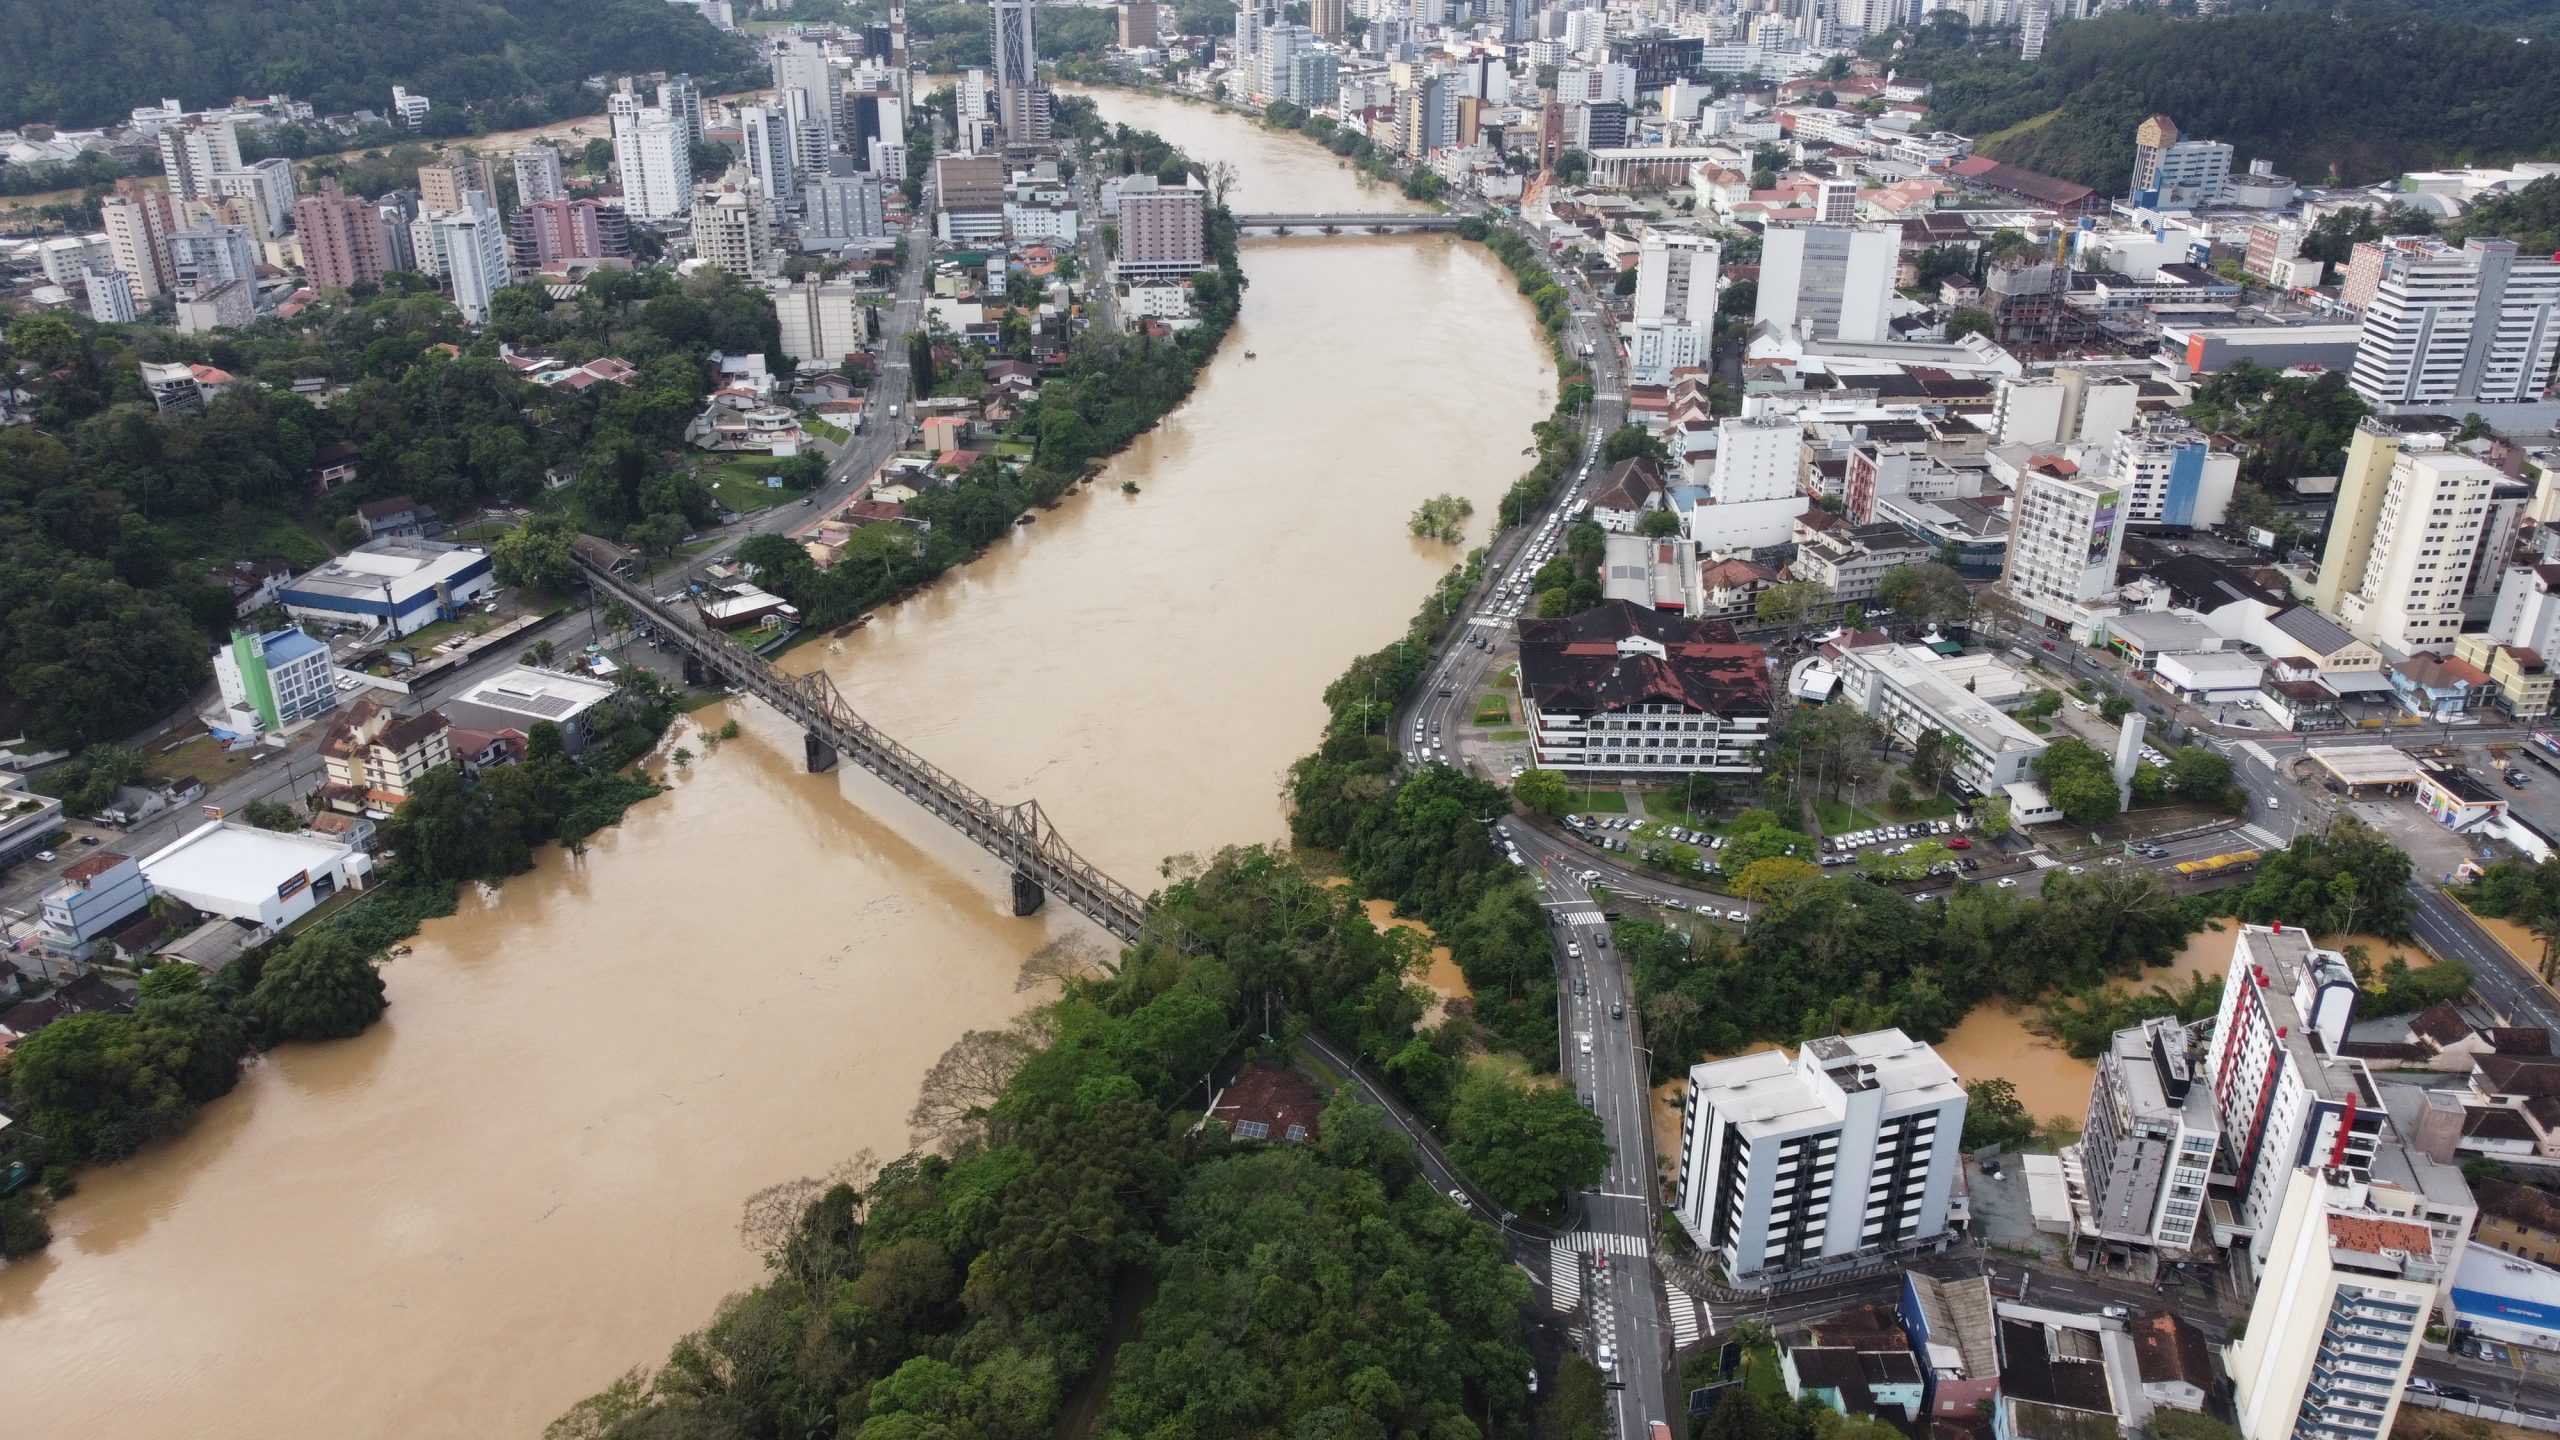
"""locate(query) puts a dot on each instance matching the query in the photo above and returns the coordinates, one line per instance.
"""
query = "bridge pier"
(1027, 893)
(822, 756)
(695, 673)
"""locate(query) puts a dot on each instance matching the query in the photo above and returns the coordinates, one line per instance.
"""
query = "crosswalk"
(1684, 1317)
(1564, 1272)
(1584, 915)
(2262, 838)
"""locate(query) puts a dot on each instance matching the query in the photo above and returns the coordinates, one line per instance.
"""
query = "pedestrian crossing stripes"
(1580, 917)
(1564, 1271)
(2261, 837)
(1584, 1241)
(1684, 1317)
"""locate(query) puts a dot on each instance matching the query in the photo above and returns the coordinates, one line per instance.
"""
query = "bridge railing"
(1022, 835)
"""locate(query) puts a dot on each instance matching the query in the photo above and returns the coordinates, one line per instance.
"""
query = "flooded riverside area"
(527, 1179)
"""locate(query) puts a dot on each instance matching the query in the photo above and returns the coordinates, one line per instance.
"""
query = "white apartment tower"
(195, 150)
(1828, 282)
(804, 87)
(137, 225)
(2456, 329)
(2171, 475)
(474, 242)
(650, 155)
(2351, 1274)
(772, 157)
(1850, 1150)
(2146, 1152)
(1675, 309)
(2066, 533)
(110, 297)
(2434, 507)
(538, 175)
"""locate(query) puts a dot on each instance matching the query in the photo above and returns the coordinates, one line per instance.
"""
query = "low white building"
(1908, 692)
(257, 877)
(403, 582)
(524, 697)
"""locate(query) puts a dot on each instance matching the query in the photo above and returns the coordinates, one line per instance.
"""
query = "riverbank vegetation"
(1111, 389)
(96, 1088)
(973, 1289)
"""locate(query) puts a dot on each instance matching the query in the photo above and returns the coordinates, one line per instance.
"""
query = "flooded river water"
(528, 1178)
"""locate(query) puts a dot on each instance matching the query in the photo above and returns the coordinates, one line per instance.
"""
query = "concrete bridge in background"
(1346, 222)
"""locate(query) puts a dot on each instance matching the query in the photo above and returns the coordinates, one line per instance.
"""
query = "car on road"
(2453, 1392)
(2115, 1312)
(2008, 882)
(1586, 1044)
(1959, 843)
(1572, 950)
(1617, 1010)
(1458, 1195)
(45, 855)
(2076, 869)
(1608, 1358)
(2422, 1385)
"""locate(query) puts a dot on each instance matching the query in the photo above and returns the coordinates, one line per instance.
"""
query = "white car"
(2008, 882)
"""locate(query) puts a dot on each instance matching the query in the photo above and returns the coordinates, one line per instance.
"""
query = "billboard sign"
(2102, 527)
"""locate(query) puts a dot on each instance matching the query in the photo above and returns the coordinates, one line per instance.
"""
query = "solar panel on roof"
(544, 705)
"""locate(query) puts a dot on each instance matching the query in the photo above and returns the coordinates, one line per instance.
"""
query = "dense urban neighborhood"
(1906, 653)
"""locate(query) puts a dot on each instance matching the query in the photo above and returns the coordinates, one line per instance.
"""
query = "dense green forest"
(970, 1291)
(2331, 96)
(111, 512)
(88, 64)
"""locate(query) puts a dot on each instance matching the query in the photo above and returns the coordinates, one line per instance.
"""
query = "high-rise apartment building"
(110, 297)
(342, 239)
(2351, 1272)
(1138, 22)
(1828, 282)
(2066, 534)
(474, 242)
(1161, 230)
(2171, 172)
(1021, 108)
(538, 174)
(804, 86)
(1675, 309)
(655, 167)
(729, 231)
(821, 320)
(268, 189)
(137, 223)
(2146, 1150)
(1280, 46)
(1325, 17)
(193, 151)
(551, 232)
(443, 184)
(207, 254)
(2170, 473)
(2463, 328)
(1315, 77)
(2069, 404)
(1835, 202)
(2405, 538)
(1846, 1153)
(2035, 22)
(2458, 326)
(2280, 1088)
(682, 100)
(771, 156)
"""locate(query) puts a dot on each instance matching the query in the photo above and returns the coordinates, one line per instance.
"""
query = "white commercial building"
(1828, 282)
(1846, 1153)
(1753, 494)
(273, 681)
(805, 86)
(2527, 614)
(1675, 309)
(2351, 1274)
(110, 297)
(258, 877)
(2459, 329)
(2067, 405)
(1911, 693)
(2146, 1150)
(268, 188)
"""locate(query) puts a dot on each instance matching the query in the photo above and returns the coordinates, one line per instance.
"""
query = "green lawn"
(1607, 802)
(1012, 450)
(1761, 1375)
(1666, 806)
(739, 485)
(1922, 807)
(1493, 710)
(1838, 817)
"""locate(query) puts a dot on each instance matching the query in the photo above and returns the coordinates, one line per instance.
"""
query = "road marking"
(1564, 1270)
(1585, 1241)
(2265, 839)
(1684, 1316)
